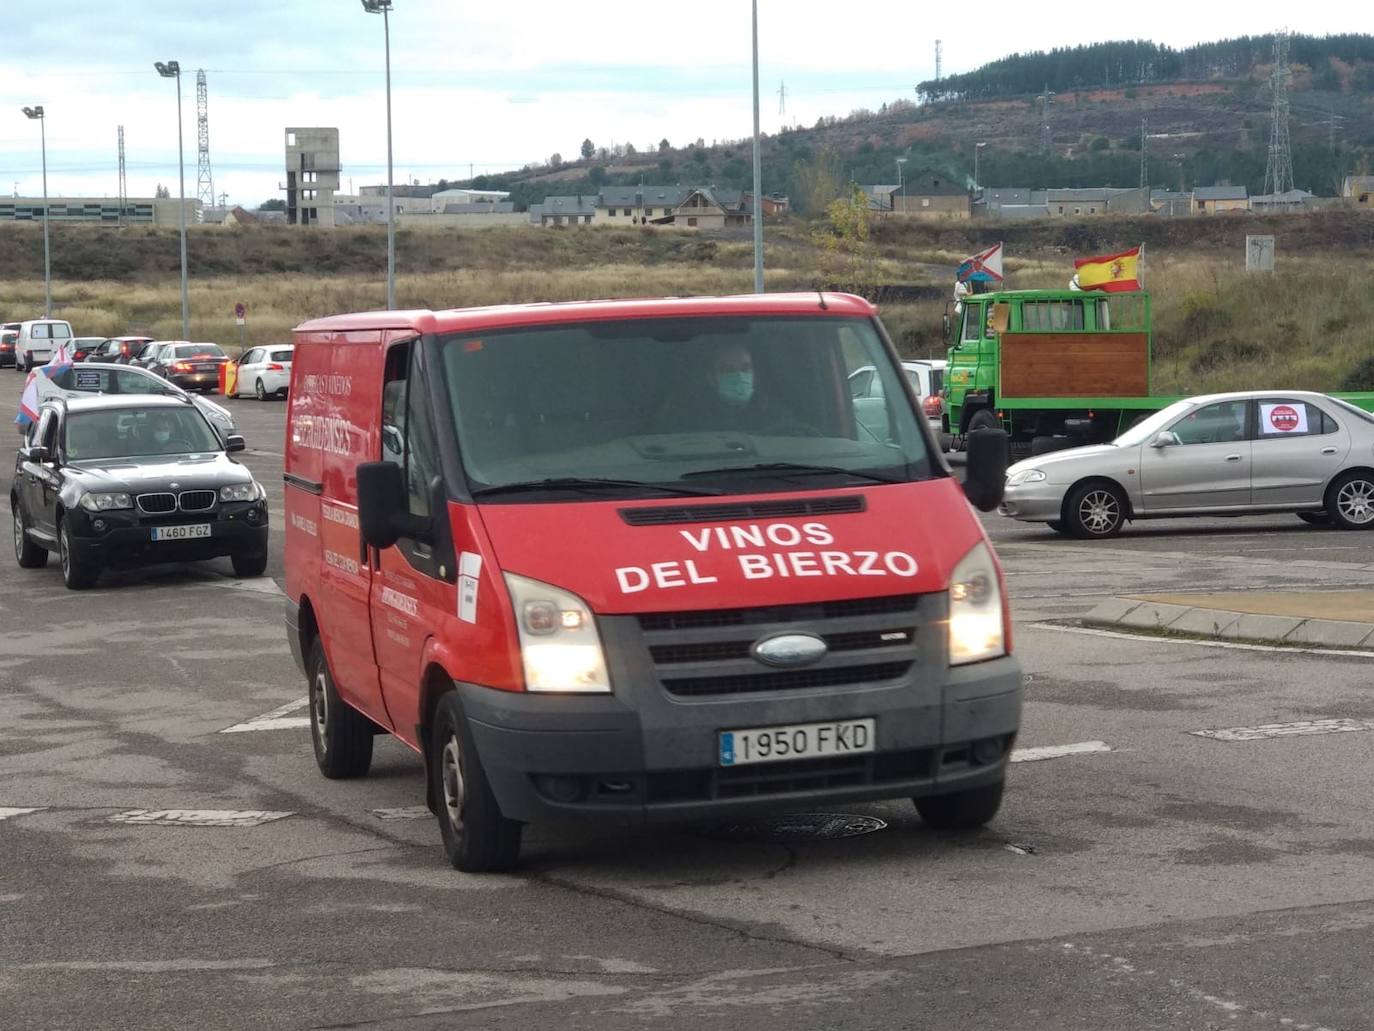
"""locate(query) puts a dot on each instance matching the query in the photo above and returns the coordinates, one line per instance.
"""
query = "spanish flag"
(1113, 273)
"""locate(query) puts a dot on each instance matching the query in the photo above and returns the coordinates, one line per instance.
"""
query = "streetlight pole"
(900, 181)
(977, 148)
(37, 113)
(758, 167)
(383, 7)
(172, 70)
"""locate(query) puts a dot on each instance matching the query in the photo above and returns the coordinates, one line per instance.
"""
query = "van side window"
(408, 437)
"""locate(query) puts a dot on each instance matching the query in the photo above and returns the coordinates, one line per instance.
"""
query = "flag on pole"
(29, 401)
(1112, 273)
(985, 267)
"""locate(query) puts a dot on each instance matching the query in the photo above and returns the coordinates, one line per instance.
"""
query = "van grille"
(787, 680)
(764, 779)
(822, 610)
(661, 516)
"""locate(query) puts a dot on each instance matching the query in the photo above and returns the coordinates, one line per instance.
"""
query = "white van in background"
(38, 338)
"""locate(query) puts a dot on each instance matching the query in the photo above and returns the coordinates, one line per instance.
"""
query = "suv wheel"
(78, 576)
(28, 554)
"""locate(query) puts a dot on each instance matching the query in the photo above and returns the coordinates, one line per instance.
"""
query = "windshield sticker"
(88, 379)
(469, 570)
(761, 552)
(1278, 419)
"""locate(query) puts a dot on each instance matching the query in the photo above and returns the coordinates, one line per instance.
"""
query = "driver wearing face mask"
(162, 430)
(729, 402)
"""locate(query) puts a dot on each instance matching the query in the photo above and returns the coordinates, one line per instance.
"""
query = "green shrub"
(1361, 377)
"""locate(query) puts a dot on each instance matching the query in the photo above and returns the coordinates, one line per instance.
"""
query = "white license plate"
(798, 741)
(181, 533)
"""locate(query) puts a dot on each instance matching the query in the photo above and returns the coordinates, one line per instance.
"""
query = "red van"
(640, 561)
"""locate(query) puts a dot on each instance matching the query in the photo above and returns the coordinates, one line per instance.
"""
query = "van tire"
(965, 810)
(477, 837)
(340, 734)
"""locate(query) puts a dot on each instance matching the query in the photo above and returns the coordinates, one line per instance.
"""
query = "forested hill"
(1335, 62)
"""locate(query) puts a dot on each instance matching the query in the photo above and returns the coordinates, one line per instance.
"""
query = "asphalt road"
(1173, 881)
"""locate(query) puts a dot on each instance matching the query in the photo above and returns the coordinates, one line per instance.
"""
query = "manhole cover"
(798, 827)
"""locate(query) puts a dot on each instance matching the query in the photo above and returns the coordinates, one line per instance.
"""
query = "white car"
(927, 378)
(265, 371)
(37, 339)
(82, 380)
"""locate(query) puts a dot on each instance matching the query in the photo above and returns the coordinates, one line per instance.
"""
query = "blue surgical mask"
(736, 387)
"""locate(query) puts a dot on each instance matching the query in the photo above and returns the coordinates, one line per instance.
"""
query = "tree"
(275, 204)
(588, 149)
(664, 146)
(630, 150)
(163, 193)
(665, 168)
(596, 175)
(555, 161)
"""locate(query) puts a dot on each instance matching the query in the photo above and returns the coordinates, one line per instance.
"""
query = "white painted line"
(1303, 728)
(198, 817)
(257, 585)
(409, 812)
(7, 811)
(1229, 645)
(278, 719)
(269, 454)
(1030, 755)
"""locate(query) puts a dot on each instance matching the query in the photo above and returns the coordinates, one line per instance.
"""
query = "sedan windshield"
(1147, 428)
(712, 404)
(138, 432)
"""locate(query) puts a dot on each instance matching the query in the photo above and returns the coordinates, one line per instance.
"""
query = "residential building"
(1171, 203)
(1102, 200)
(443, 198)
(1279, 203)
(713, 209)
(638, 205)
(565, 211)
(932, 195)
(312, 175)
(879, 196)
(772, 207)
(1214, 200)
(1359, 189)
(158, 211)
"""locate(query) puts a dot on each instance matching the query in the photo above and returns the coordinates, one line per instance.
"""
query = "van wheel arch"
(307, 625)
(435, 683)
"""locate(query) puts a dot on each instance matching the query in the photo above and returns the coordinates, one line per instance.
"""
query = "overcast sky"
(487, 86)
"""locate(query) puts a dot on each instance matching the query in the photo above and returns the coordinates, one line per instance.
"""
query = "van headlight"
(106, 502)
(559, 643)
(1025, 476)
(976, 627)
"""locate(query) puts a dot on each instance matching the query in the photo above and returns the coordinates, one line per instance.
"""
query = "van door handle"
(1328, 451)
(1233, 458)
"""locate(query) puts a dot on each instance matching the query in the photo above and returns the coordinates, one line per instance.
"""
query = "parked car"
(124, 481)
(1221, 454)
(264, 371)
(193, 366)
(927, 379)
(8, 338)
(117, 350)
(37, 339)
(97, 379)
(146, 355)
(83, 347)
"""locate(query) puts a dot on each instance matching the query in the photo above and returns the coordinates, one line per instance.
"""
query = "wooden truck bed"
(1075, 365)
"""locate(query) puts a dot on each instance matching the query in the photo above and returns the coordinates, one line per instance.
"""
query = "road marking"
(1030, 755)
(1303, 728)
(277, 719)
(1230, 645)
(269, 454)
(7, 811)
(198, 817)
(257, 585)
(409, 812)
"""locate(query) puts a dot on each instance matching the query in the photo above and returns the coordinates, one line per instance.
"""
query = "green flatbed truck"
(1054, 368)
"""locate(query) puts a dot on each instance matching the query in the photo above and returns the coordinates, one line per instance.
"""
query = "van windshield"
(723, 405)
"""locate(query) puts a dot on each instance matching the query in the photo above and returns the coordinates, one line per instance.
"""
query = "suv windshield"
(137, 432)
(733, 404)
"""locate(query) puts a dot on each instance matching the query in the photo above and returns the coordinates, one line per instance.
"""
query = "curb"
(1223, 625)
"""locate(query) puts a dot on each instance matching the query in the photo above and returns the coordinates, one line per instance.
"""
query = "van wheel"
(477, 838)
(78, 576)
(342, 736)
(1095, 510)
(962, 810)
(1350, 501)
(28, 554)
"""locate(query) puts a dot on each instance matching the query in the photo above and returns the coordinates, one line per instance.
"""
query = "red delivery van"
(640, 561)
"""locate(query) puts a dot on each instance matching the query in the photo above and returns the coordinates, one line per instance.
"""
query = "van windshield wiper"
(588, 484)
(792, 468)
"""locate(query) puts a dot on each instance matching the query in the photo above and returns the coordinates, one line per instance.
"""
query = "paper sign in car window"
(1282, 419)
(89, 379)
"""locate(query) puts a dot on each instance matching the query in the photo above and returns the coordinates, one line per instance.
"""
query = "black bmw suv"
(119, 481)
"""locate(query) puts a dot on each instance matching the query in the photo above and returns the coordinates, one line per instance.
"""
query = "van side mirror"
(1165, 438)
(985, 476)
(384, 515)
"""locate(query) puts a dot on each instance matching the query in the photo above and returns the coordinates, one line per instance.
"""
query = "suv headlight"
(559, 643)
(239, 492)
(1025, 476)
(976, 628)
(106, 502)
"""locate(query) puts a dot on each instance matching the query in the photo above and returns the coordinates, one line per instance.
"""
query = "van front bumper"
(639, 756)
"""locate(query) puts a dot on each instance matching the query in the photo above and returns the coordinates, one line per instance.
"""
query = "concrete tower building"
(312, 176)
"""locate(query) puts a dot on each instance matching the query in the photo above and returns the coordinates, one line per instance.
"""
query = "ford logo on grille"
(789, 650)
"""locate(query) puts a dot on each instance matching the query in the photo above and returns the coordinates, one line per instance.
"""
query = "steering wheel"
(798, 428)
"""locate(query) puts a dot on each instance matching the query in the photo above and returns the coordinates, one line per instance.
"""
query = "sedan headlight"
(239, 492)
(976, 629)
(106, 502)
(559, 643)
(1025, 476)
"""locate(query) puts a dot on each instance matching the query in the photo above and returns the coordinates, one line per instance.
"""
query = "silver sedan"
(1222, 454)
